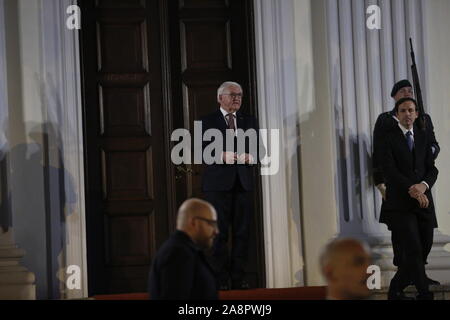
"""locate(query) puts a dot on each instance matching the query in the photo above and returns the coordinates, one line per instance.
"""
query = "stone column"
(277, 103)
(16, 282)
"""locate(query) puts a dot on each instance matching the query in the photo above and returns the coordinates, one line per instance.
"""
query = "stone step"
(441, 292)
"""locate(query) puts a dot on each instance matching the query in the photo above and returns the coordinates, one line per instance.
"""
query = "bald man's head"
(190, 208)
(198, 219)
(344, 264)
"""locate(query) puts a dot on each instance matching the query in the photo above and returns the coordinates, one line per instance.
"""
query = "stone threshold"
(441, 292)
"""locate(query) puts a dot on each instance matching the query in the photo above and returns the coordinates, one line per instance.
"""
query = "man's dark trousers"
(234, 209)
(415, 237)
(425, 242)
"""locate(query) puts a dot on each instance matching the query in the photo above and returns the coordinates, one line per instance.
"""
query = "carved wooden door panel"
(127, 216)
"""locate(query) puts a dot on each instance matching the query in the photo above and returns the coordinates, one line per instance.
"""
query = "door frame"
(168, 113)
(252, 93)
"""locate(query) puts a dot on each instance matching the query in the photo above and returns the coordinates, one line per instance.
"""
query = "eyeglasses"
(233, 95)
(212, 223)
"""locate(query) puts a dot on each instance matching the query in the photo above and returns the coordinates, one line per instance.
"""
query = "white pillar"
(436, 79)
(278, 109)
(44, 142)
(317, 134)
(61, 89)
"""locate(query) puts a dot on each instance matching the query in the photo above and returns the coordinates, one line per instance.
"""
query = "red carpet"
(298, 293)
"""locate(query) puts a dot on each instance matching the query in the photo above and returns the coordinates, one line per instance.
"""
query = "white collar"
(404, 130)
(225, 112)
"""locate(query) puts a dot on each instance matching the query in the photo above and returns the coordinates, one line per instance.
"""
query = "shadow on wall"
(43, 197)
(292, 150)
(356, 198)
(351, 182)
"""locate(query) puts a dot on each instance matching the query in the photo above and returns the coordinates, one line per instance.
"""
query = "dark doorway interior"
(149, 67)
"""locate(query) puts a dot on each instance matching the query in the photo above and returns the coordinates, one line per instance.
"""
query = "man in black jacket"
(180, 270)
(384, 124)
(408, 166)
(228, 184)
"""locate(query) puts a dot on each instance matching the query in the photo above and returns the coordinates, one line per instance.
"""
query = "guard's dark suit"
(229, 187)
(411, 225)
(180, 272)
(384, 124)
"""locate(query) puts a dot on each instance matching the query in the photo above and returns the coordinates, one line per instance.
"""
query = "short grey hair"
(335, 247)
(225, 85)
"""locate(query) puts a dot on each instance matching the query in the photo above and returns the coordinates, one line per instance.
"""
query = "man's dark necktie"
(230, 120)
(409, 140)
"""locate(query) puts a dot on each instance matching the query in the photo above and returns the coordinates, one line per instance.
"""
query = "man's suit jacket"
(402, 169)
(384, 124)
(180, 272)
(222, 177)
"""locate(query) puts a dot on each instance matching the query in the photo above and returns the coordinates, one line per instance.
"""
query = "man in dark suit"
(408, 166)
(180, 270)
(385, 123)
(228, 185)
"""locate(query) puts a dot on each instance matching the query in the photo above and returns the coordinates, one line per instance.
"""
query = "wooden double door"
(148, 68)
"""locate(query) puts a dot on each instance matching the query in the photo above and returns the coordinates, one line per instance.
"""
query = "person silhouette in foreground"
(344, 264)
(180, 270)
